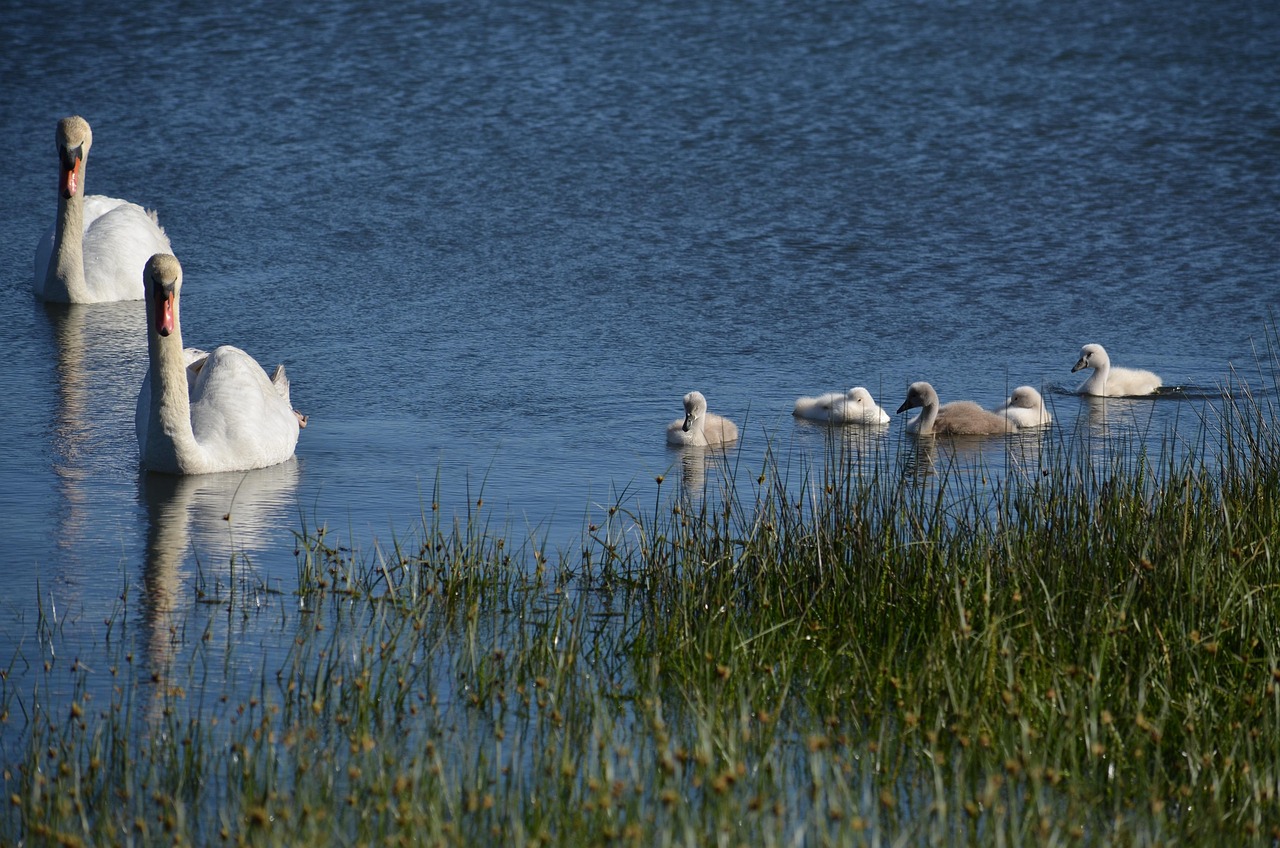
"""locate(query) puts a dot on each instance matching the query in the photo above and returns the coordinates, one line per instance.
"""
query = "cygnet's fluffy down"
(1111, 381)
(699, 427)
(958, 418)
(855, 406)
(1025, 408)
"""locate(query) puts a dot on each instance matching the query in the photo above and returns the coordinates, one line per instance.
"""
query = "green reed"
(1079, 650)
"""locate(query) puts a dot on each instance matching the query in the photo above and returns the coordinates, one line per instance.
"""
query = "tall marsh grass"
(1082, 650)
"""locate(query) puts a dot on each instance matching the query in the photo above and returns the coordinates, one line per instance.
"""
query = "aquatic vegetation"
(1083, 651)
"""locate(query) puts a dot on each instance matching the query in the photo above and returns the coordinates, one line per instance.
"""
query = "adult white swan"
(219, 413)
(98, 245)
(1111, 381)
(855, 406)
(1025, 408)
(958, 418)
(699, 427)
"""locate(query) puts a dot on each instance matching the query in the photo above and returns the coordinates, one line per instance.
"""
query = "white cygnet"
(1025, 408)
(1111, 381)
(855, 406)
(699, 427)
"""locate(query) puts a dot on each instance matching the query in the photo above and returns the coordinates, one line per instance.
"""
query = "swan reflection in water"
(1111, 416)
(699, 465)
(846, 447)
(693, 474)
(1018, 453)
(99, 365)
(197, 526)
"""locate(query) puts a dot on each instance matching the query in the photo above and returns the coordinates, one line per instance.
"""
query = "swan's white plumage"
(1025, 408)
(200, 413)
(699, 427)
(855, 406)
(958, 418)
(97, 246)
(1108, 380)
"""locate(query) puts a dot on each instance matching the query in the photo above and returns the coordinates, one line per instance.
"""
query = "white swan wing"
(97, 205)
(119, 238)
(238, 414)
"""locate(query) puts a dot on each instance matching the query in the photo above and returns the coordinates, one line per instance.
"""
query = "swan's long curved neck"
(928, 415)
(171, 444)
(64, 278)
(1101, 374)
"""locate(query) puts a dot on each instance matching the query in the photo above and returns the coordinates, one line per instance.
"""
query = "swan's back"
(855, 406)
(817, 408)
(966, 418)
(1128, 382)
(118, 241)
(717, 429)
(239, 414)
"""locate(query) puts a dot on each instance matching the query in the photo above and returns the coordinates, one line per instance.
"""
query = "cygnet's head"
(1091, 356)
(695, 406)
(918, 394)
(861, 396)
(1025, 397)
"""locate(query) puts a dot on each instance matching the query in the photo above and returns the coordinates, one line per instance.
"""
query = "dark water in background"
(495, 243)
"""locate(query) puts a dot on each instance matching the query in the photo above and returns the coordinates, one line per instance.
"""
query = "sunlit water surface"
(494, 244)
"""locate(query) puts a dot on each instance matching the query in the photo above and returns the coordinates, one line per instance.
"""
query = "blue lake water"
(494, 243)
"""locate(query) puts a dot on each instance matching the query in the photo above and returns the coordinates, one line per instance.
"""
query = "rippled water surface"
(494, 243)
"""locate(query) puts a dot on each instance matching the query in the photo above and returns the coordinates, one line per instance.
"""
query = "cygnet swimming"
(1111, 381)
(699, 427)
(855, 406)
(958, 418)
(1025, 408)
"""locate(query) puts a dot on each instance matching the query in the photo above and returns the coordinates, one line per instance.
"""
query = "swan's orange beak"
(70, 181)
(164, 312)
